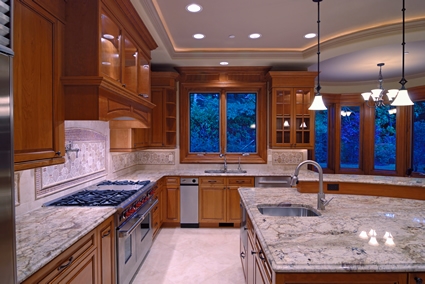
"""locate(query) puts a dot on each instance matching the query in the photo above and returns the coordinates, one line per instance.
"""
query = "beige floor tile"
(181, 255)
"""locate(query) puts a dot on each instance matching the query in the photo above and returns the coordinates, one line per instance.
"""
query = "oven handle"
(125, 233)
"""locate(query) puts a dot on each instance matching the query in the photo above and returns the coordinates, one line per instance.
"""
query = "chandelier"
(379, 97)
(318, 100)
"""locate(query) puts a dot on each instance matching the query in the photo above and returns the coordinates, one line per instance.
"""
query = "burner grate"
(95, 198)
(124, 182)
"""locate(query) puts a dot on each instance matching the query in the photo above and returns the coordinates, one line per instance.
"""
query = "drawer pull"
(240, 181)
(212, 181)
(242, 254)
(63, 266)
(106, 234)
(418, 280)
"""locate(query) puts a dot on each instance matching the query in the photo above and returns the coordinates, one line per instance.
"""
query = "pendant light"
(402, 98)
(318, 100)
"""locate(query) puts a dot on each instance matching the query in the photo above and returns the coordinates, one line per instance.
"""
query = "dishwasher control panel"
(189, 181)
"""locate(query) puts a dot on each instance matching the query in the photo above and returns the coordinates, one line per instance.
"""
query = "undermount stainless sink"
(225, 171)
(287, 211)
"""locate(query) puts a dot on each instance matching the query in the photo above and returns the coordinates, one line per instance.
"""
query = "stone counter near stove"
(45, 233)
(331, 243)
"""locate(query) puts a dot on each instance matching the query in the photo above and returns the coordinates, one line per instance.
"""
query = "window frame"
(367, 134)
(209, 158)
(416, 94)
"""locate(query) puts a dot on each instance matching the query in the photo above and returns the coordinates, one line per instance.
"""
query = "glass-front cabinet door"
(282, 105)
(110, 45)
(302, 124)
(130, 55)
(291, 119)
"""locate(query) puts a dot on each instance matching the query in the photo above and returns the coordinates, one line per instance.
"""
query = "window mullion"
(223, 121)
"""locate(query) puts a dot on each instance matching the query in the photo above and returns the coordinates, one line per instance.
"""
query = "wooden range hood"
(96, 98)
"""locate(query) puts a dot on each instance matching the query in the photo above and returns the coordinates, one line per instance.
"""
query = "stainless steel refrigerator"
(7, 193)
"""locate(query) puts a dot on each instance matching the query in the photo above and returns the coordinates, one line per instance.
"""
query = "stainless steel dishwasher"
(189, 202)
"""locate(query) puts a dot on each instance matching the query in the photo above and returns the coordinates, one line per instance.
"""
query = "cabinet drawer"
(172, 180)
(240, 181)
(416, 277)
(220, 181)
(66, 262)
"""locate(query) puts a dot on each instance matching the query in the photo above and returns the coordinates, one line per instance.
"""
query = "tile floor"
(180, 255)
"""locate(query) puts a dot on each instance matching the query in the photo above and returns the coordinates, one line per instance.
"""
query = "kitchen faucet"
(321, 201)
(225, 161)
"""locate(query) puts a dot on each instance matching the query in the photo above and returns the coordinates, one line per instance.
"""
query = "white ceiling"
(354, 35)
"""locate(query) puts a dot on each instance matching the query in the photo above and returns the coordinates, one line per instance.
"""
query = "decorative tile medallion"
(288, 157)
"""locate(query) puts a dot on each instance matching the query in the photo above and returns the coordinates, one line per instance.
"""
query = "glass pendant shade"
(392, 94)
(317, 103)
(366, 95)
(402, 99)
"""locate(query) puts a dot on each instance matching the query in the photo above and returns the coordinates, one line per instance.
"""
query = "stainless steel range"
(133, 201)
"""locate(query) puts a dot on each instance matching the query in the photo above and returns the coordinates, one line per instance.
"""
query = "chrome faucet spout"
(321, 200)
(225, 161)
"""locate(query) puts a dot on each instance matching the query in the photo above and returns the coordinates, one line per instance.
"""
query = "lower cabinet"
(157, 211)
(172, 200)
(89, 260)
(219, 198)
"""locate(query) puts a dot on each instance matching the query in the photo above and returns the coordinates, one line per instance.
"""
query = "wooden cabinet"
(258, 270)
(157, 212)
(89, 260)
(172, 197)
(219, 200)
(127, 136)
(106, 235)
(416, 278)
(342, 278)
(291, 123)
(164, 122)
(107, 62)
(39, 135)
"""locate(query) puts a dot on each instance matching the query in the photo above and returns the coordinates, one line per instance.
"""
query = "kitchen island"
(333, 243)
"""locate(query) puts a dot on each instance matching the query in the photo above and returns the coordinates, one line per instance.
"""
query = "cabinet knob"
(242, 254)
(58, 153)
(106, 234)
(418, 280)
(124, 85)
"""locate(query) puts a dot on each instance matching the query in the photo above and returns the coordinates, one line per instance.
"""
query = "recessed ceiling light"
(310, 35)
(224, 63)
(232, 36)
(194, 8)
(255, 35)
(198, 36)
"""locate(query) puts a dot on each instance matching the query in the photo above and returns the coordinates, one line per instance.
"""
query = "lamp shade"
(402, 99)
(366, 95)
(317, 103)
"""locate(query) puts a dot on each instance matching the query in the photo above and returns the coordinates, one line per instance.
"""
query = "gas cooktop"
(86, 197)
(117, 193)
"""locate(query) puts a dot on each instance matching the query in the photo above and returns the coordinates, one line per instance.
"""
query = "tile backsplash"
(90, 161)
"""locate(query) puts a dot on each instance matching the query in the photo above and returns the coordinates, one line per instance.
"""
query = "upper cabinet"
(292, 124)
(164, 116)
(107, 62)
(39, 137)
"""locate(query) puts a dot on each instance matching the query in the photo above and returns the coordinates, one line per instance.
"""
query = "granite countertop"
(45, 233)
(331, 242)
(304, 175)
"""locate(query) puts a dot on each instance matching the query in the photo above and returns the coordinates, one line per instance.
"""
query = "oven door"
(133, 243)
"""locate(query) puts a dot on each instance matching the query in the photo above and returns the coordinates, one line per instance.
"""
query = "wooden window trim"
(258, 158)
